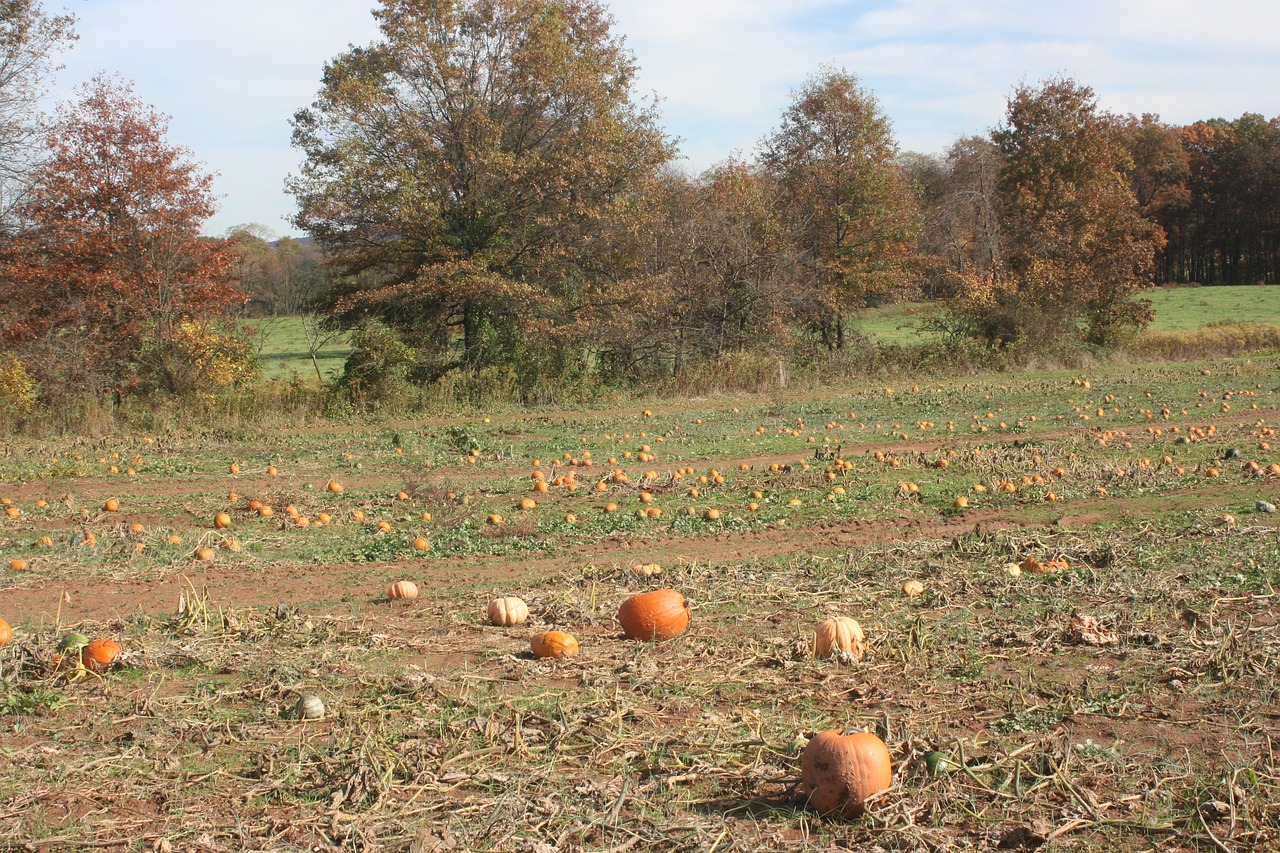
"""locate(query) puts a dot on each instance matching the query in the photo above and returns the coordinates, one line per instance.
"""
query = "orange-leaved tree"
(472, 175)
(853, 213)
(108, 284)
(1076, 248)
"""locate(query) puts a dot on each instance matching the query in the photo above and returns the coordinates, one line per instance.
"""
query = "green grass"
(1175, 308)
(1193, 307)
(285, 352)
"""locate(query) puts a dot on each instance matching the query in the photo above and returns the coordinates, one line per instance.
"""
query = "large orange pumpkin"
(553, 644)
(840, 770)
(658, 615)
(100, 654)
(6, 633)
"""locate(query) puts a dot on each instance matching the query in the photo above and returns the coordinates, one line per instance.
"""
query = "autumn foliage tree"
(853, 214)
(718, 275)
(471, 173)
(1075, 246)
(108, 284)
(30, 41)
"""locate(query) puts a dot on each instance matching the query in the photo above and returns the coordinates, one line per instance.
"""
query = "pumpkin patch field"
(1031, 611)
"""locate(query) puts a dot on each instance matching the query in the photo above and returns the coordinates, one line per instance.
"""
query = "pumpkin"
(308, 707)
(334, 486)
(112, 505)
(841, 769)
(205, 553)
(6, 633)
(507, 612)
(422, 543)
(73, 642)
(837, 635)
(913, 588)
(222, 521)
(553, 644)
(402, 589)
(658, 615)
(17, 564)
(100, 654)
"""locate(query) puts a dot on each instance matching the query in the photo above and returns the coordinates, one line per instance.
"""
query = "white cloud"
(231, 73)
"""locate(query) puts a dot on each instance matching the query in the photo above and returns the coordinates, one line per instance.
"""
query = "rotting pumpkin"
(841, 769)
(838, 635)
(553, 644)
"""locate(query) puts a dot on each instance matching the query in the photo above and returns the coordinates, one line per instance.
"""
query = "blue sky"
(230, 73)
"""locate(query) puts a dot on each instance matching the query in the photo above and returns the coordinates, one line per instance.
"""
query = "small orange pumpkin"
(840, 770)
(553, 644)
(509, 611)
(657, 615)
(222, 521)
(402, 589)
(100, 654)
(6, 633)
(112, 505)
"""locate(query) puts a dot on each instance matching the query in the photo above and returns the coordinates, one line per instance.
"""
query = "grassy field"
(285, 349)
(1193, 307)
(1175, 308)
(1124, 698)
(285, 352)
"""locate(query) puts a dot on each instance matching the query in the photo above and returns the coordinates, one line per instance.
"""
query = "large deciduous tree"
(852, 211)
(30, 40)
(109, 283)
(1076, 248)
(472, 173)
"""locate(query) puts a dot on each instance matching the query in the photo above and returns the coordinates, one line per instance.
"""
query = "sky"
(231, 73)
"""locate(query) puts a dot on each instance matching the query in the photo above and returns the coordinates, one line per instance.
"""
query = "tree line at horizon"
(485, 193)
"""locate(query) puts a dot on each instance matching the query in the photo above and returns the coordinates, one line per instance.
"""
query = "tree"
(30, 39)
(474, 170)
(854, 215)
(718, 275)
(1228, 229)
(109, 283)
(257, 270)
(1076, 247)
(960, 233)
